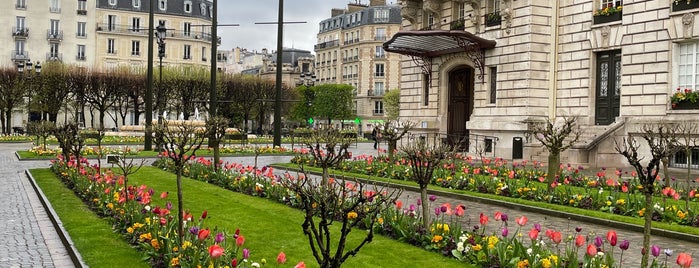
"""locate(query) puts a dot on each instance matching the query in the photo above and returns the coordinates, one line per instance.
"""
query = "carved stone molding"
(604, 32)
(476, 16)
(432, 6)
(409, 10)
(687, 25)
(506, 14)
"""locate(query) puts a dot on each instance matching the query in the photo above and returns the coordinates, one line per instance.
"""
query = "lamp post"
(160, 34)
(308, 80)
(21, 67)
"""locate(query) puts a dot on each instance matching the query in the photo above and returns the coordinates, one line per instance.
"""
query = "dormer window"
(162, 4)
(202, 9)
(188, 6)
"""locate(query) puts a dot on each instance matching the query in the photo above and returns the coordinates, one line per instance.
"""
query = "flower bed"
(14, 138)
(492, 242)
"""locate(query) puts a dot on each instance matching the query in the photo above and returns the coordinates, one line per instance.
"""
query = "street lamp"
(160, 34)
(21, 67)
(308, 80)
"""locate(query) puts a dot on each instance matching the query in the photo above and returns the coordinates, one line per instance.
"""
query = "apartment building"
(103, 33)
(350, 51)
(485, 71)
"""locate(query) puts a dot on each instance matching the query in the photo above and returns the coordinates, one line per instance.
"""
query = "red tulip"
(239, 241)
(399, 204)
(203, 234)
(684, 260)
(163, 195)
(484, 219)
(591, 250)
(459, 210)
(203, 214)
(234, 263)
(498, 216)
(215, 251)
(533, 234)
(611, 238)
(521, 220)
(556, 237)
(281, 258)
(300, 265)
(579, 241)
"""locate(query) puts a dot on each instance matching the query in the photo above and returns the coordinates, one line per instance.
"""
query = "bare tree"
(661, 142)
(424, 158)
(42, 130)
(181, 142)
(216, 127)
(128, 167)
(392, 131)
(687, 140)
(556, 137)
(70, 141)
(12, 92)
(351, 204)
(328, 147)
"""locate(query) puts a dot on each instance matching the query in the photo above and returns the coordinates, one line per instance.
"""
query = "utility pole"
(148, 144)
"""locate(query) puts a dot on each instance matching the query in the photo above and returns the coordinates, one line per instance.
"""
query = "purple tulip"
(655, 250)
(194, 230)
(505, 232)
(578, 229)
(599, 241)
(624, 245)
(433, 198)
(219, 238)
(437, 211)
(412, 207)
(246, 253)
(419, 202)
(169, 205)
(443, 208)
(503, 217)
(537, 227)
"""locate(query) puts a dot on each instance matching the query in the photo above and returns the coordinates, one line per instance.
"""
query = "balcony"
(21, 5)
(54, 56)
(375, 93)
(80, 57)
(380, 38)
(20, 32)
(328, 44)
(379, 74)
(350, 59)
(19, 55)
(82, 12)
(458, 24)
(493, 19)
(54, 36)
(55, 9)
(380, 56)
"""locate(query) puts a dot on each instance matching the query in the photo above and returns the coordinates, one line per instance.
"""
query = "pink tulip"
(611, 238)
(281, 258)
(521, 220)
(215, 251)
(684, 260)
(591, 250)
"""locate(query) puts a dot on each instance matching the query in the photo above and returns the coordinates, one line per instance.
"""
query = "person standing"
(375, 134)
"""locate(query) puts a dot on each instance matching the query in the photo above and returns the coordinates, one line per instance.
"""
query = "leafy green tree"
(391, 104)
(333, 101)
(304, 109)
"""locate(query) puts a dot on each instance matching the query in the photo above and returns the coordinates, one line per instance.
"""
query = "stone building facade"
(350, 51)
(486, 70)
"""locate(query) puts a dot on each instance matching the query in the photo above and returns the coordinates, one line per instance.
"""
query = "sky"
(258, 36)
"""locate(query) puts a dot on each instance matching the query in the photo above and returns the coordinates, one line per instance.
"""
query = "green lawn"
(269, 227)
(27, 155)
(93, 236)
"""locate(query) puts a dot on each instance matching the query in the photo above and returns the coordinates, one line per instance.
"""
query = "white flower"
(254, 264)
(601, 190)
(600, 254)
(460, 246)
(147, 207)
(529, 251)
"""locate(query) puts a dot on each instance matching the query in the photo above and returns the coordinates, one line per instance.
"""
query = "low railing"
(475, 144)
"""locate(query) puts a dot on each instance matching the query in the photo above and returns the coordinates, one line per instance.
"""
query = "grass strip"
(660, 228)
(270, 227)
(27, 155)
(98, 245)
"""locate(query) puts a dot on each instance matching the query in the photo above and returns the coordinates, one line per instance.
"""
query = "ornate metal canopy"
(422, 46)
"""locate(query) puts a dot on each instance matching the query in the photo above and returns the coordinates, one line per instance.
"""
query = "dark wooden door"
(460, 105)
(608, 87)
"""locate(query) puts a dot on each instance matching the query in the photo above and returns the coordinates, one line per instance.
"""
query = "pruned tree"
(52, 89)
(349, 204)
(392, 131)
(12, 93)
(126, 168)
(42, 130)
(216, 128)
(328, 147)
(424, 158)
(687, 140)
(181, 141)
(661, 143)
(556, 136)
(70, 141)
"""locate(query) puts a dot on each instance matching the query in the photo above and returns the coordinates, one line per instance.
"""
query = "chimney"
(354, 7)
(336, 12)
(374, 3)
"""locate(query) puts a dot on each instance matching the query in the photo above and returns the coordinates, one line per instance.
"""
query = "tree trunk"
(217, 156)
(553, 167)
(180, 209)
(8, 121)
(664, 160)
(326, 176)
(246, 116)
(392, 144)
(688, 153)
(647, 228)
(425, 207)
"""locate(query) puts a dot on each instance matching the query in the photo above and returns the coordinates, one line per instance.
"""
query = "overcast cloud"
(256, 37)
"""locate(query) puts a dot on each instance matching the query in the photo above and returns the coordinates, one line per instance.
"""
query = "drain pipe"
(553, 61)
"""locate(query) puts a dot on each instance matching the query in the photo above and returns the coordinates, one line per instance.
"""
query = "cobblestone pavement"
(27, 238)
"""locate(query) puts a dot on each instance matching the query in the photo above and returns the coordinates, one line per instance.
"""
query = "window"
(188, 6)
(429, 20)
(381, 15)
(202, 9)
(81, 29)
(112, 2)
(380, 34)
(187, 29)
(81, 53)
(488, 144)
(135, 48)
(21, 4)
(378, 107)
(493, 84)
(19, 47)
(688, 66)
(460, 11)
(55, 6)
(378, 89)
(426, 89)
(20, 22)
(54, 28)
(135, 24)
(379, 70)
(111, 22)
(82, 7)
(203, 54)
(111, 47)
(380, 53)
(681, 160)
(136, 3)
(162, 4)
(211, 11)
(187, 52)
(494, 6)
(53, 51)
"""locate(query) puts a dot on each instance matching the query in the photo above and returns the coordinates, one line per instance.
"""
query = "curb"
(545, 211)
(58, 225)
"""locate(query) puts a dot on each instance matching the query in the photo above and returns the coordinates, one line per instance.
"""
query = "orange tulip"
(300, 265)
(203, 234)
(684, 260)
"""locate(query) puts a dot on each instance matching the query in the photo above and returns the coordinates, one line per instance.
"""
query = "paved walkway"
(29, 240)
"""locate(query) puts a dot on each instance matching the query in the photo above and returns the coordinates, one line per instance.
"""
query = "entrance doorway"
(460, 105)
(608, 87)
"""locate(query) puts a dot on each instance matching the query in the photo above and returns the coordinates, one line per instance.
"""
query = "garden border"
(550, 212)
(67, 242)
